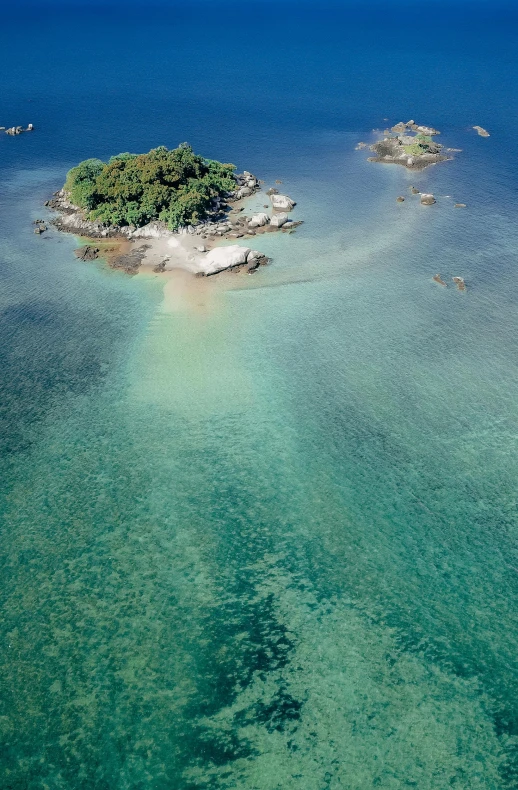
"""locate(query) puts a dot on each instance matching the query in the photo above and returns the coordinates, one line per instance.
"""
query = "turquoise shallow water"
(260, 532)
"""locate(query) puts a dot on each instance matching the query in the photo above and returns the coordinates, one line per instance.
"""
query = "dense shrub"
(175, 186)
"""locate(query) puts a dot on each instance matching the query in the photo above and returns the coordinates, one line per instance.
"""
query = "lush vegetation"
(175, 186)
(421, 145)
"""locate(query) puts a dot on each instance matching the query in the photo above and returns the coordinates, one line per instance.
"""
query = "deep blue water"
(261, 534)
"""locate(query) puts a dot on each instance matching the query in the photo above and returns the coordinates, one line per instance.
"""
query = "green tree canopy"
(175, 186)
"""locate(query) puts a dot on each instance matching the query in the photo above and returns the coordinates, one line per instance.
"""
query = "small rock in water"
(459, 282)
(438, 279)
(414, 191)
(282, 202)
(400, 199)
(459, 205)
(427, 199)
(481, 131)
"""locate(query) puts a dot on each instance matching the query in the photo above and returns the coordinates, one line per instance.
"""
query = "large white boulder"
(282, 202)
(258, 220)
(222, 258)
(278, 220)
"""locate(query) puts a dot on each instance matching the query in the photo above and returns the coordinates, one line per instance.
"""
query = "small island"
(168, 198)
(408, 144)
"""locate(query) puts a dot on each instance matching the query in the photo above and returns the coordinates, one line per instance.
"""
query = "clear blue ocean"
(261, 532)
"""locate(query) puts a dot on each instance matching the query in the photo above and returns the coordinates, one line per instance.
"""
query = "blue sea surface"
(261, 532)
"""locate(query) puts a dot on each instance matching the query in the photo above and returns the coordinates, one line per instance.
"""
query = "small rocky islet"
(413, 146)
(14, 131)
(163, 194)
(408, 144)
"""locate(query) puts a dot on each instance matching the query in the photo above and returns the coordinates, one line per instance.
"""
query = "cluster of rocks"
(427, 199)
(246, 184)
(408, 144)
(39, 226)
(14, 130)
(412, 126)
(459, 281)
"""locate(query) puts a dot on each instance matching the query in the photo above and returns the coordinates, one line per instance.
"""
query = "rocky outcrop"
(224, 258)
(87, 253)
(403, 128)
(130, 261)
(427, 199)
(459, 282)
(409, 144)
(153, 230)
(481, 131)
(234, 257)
(438, 279)
(282, 202)
(278, 220)
(259, 220)
(15, 130)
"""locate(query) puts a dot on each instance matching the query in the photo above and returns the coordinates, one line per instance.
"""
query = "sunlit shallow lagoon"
(260, 532)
